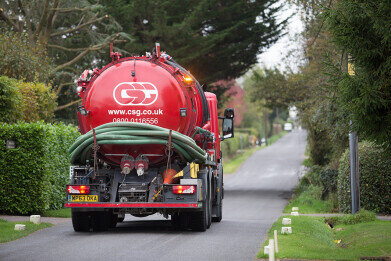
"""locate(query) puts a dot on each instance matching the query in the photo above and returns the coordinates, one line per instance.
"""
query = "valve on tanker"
(127, 164)
(141, 164)
(82, 82)
(114, 55)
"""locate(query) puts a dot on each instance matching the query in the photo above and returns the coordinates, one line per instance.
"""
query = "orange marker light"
(188, 79)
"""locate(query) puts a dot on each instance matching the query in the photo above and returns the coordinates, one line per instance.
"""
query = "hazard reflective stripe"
(131, 205)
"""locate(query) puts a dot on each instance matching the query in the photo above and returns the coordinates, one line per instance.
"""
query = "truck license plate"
(85, 198)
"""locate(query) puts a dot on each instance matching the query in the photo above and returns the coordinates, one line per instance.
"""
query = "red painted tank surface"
(140, 89)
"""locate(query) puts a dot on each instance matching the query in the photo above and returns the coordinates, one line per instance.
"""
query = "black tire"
(100, 221)
(219, 213)
(180, 221)
(200, 221)
(113, 220)
(218, 208)
(120, 219)
(209, 205)
(80, 221)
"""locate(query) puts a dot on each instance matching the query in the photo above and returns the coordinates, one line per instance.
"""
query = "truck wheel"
(121, 218)
(100, 221)
(218, 208)
(219, 213)
(200, 221)
(80, 221)
(180, 221)
(113, 220)
(209, 205)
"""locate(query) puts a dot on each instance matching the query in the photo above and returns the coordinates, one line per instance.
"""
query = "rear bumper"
(134, 205)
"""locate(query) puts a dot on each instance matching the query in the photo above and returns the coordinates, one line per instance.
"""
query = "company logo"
(135, 93)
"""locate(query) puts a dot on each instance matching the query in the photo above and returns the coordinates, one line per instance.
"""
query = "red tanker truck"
(150, 144)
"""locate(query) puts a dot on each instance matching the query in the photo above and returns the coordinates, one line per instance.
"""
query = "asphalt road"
(254, 198)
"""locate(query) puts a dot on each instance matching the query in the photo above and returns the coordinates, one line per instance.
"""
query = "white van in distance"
(288, 126)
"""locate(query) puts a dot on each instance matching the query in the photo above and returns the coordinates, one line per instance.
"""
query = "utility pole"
(354, 167)
(266, 116)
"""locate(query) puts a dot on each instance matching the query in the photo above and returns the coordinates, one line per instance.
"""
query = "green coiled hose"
(131, 133)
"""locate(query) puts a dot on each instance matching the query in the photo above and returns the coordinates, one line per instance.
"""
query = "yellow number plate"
(83, 198)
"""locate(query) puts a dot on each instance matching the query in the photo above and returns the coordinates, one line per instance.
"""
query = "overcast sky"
(274, 55)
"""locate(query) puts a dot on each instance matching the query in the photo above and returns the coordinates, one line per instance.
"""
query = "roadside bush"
(230, 146)
(311, 178)
(312, 192)
(360, 217)
(329, 178)
(34, 174)
(8, 99)
(26, 101)
(23, 59)
(375, 179)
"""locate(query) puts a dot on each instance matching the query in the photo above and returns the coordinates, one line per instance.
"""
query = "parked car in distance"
(288, 126)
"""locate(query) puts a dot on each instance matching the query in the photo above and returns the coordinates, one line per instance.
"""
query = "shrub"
(230, 146)
(311, 178)
(329, 179)
(375, 179)
(34, 174)
(312, 192)
(360, 217)
(23, 59)
(8, 99)
(26, 101)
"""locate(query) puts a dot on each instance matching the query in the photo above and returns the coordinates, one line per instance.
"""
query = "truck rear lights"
(181, 189)
(79, 189)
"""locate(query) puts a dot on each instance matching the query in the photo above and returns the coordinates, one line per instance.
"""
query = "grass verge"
(309, 205)
(276, 137)
(234, 163)
(311, 238)
(7, 232)
(62, 213)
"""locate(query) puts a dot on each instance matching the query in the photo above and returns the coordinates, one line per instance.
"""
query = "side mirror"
(228, 128)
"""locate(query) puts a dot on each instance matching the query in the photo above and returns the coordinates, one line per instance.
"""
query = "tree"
(270, 85)
(20, 60)
(72, 33)
(214, 39)
(75, 27)
(25, 101)
(362, 29)
(311, 88)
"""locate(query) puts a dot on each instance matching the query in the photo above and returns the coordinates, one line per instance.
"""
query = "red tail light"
(181, 189)
(81, 189)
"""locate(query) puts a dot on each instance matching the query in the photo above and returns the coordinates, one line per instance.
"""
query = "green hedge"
(375, 179)
(230, 146)
(34, 174)
(25, 101)
(8, 99)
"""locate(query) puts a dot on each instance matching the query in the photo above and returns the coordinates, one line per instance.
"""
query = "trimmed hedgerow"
(34, 174)
(375, 179)
(329, 179)
(230, 146)
(8, 99)
(360, 217)
(25, 101)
